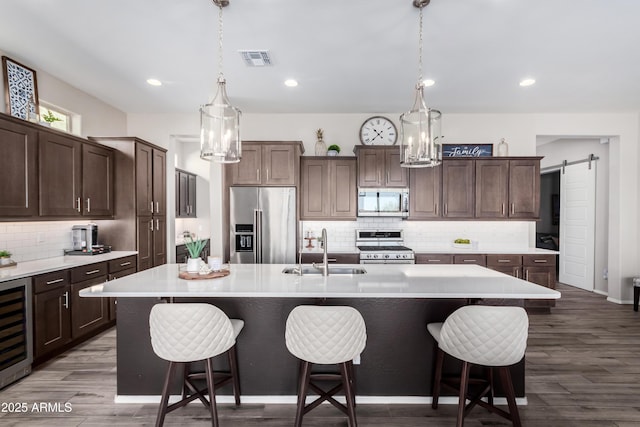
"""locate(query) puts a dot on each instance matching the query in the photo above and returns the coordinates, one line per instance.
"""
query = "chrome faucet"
(325, 262)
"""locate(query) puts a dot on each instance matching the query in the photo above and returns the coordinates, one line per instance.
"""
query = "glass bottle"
(503, 148)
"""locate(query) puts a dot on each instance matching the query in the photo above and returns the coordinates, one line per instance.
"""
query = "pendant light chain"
(420, 51)
(220, 74)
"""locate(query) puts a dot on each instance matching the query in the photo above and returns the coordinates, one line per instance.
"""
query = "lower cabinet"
(87, 314)
(151, 241)
(119, 268)
(477, 259)
(332, 258)
(52, 312)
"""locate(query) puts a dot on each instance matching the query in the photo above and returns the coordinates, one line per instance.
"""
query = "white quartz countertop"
(449, 249)
(32, 268)
(380, 281)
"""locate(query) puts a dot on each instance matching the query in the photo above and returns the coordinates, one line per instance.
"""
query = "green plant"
(50, 118)
(334, 147)
(194, 246)
(5, 254)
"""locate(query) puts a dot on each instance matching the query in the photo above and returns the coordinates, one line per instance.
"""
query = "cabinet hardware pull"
(157, 207)
(469, 260)
(267, 174)
(122, 264)
(65, 304)
(258, 175)
(92, 272)
(503, 260)
(526, 275)
(446, 209)
(152, 206)
(331, 260)
(540, 260)
(88, 204)
(433, 260)
(78, 201)
(513, 208)
(157, 224)
(517, 273)
(51, 282)
(503, 209)
(151, 225)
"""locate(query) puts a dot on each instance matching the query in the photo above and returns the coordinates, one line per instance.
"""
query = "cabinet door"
(18, 170)
(52, 320)
(87, 314)
(144, 180)
(342, 182)
(370, 166)
(543, 276)
(524, 188)
(314, 188)
(145, 229)
(97, 181)
(191, 195)
(395, 175)
(113, 302)
(60, 175)
(458, 188)
(477, 259)
(159, 182)
(513, 270)
(182, 194)
(424, 192)
(247, 171)
(278, 165)
(434, 259)
(492, 177)
(159, 241)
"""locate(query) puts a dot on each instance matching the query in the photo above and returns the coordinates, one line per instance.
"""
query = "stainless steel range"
(383, 247)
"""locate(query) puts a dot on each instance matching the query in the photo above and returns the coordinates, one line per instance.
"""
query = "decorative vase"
(332, 153)
(321, 148)
(193, 265)
(5, 261)
(503, 148)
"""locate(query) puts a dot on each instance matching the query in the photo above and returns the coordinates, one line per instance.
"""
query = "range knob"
(374, 256)
(386, 256)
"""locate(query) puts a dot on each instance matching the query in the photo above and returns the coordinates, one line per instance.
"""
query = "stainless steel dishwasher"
(16, 330)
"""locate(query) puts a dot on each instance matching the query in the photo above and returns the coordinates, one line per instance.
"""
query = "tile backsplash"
(28, 241)
(426, 235)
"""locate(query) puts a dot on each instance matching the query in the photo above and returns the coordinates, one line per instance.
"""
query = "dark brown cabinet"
(328, 188)
(425, 186)
(18, 169)
(478, 259)
(51, 312)
(97, 181)
(185, 194)
(458, 188)
(87, 314)
(151, 188)
(263, 163)
(508, 264)
(334, 258)
(379, 167)
(119, 268)
(508, 188)
(434, 259)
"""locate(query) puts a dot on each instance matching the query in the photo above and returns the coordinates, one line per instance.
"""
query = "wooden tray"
(11, 264)
(195, 276)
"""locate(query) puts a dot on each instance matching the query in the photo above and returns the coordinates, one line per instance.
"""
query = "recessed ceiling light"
(154, 82)
(428, 82)
(527, 82)
(291, 83)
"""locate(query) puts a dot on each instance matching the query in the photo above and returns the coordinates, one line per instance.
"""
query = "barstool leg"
(162, 410)
(464, 384)
(349, 395)
(212, 393)
(233, 367)
(437, 378)
(491, 389)
(302, 392)
(507, 385)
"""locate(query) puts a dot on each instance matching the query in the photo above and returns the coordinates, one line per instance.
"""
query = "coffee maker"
(84, 237)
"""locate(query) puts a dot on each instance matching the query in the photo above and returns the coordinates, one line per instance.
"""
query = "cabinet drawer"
(86, 272)
(121, 273)
(470, 259)
(504, 260)
(48, 281)
(120, 264)
(434, 259)
(538, 260)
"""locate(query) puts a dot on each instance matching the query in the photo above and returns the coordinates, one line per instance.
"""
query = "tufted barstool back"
(489, 336)
(184, 333)
(326, 335)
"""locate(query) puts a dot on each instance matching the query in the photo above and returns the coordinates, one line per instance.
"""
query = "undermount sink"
(307, 270)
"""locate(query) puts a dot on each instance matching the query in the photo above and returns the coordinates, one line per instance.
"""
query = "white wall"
(577, 149)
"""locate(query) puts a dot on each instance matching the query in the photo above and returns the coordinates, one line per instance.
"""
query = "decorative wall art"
(20, 89)
(467, 150)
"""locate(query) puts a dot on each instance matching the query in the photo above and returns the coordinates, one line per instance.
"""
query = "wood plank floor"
(583, 370)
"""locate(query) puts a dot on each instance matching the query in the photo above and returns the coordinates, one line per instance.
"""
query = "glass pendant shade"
(220, 128)
(420, 135)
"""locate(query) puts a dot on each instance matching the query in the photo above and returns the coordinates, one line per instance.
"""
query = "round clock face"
(378, 130)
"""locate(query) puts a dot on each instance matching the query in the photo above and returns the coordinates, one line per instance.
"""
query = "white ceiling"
(350, 56)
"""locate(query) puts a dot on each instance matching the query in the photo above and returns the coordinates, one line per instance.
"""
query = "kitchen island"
(396, 302)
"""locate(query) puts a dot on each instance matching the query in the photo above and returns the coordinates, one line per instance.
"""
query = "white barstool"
(494, 337)
(326, 335)
(185, 333)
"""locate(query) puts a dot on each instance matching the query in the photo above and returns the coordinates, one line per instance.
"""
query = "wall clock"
(378, 130)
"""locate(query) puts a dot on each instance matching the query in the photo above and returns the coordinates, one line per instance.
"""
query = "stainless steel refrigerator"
(263, 225)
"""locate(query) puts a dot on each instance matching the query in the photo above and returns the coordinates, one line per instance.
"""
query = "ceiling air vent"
(256, 58)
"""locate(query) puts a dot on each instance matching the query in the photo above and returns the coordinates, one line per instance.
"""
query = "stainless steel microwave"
(383, 202)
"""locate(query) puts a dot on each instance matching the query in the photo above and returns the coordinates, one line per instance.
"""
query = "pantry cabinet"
(328, 188)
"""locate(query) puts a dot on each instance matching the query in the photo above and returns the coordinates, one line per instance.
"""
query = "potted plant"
(50, 118)
(333, 150)
(5, 257)
(194, 247)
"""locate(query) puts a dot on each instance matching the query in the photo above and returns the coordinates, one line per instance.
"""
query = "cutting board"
(195, 276)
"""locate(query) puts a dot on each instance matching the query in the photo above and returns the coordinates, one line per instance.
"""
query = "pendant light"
(420, 126)
(219, 120)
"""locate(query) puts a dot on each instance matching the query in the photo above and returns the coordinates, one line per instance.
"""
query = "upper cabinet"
(379, 167)
(458, 188)
(328, 188)
(18, 170)
(185, 194)
(425, 191)
(266, 163)
(97, 180)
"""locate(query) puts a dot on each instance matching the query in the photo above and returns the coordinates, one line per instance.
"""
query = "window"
(59, 118)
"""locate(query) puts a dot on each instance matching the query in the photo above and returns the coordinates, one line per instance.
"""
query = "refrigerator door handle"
(257, 253)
